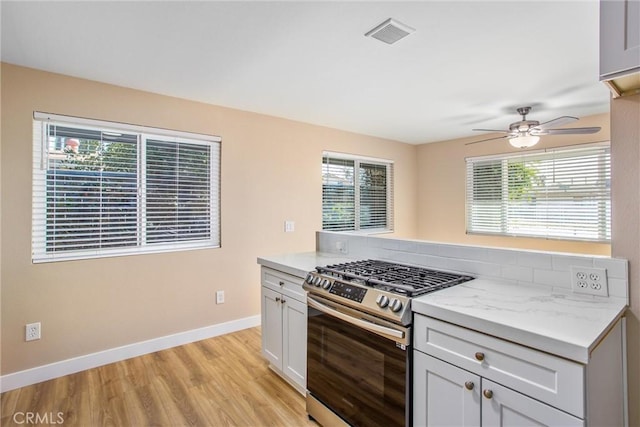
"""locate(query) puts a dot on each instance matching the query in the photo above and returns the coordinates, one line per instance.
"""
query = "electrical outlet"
(32, 332)
(589, 280)
(342, 246)
(219, 297)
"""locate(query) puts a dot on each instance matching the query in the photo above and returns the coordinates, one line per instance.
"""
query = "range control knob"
(317, 280)
(395, 305)
(382, 301)
(309, 278)
(326, 284)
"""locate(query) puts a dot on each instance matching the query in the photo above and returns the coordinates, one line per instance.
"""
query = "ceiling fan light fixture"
(524, 141)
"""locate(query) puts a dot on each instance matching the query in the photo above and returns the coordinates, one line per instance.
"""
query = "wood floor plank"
(113, 382)
(136, 372)
(221, 381)
(232, 409)
(71, 385)
(75, 409)
(146, 408)
(8, 403)
(215, 409)
(176, 401)
(284, 399)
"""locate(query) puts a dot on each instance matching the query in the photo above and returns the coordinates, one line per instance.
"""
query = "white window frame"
(358, 160)
(41, 154)
(552, 213)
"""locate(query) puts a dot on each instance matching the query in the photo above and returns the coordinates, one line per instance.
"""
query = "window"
(357, 193)
(105, 189)
(559, 193)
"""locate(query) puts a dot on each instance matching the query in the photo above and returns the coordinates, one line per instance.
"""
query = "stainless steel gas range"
(359, 340)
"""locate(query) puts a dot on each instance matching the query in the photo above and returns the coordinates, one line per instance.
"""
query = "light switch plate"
(289, 226)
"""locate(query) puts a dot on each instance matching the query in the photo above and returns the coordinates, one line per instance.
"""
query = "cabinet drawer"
(550, 379)
(287, 284)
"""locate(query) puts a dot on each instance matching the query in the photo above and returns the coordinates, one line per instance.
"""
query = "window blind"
(374, 199)
(559, 193)
(178, 188)
(357, 193)
(109, 191)
(338, 194)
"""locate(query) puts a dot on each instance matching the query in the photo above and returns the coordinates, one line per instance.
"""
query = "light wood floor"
(221, 381)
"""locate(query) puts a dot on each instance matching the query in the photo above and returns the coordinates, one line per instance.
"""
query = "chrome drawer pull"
(488, 394)
(469, 385)
(480, 356)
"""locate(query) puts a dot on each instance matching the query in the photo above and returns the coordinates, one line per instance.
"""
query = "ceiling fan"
(526, 133)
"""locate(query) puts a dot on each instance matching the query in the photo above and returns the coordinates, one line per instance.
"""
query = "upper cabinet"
(620, 45)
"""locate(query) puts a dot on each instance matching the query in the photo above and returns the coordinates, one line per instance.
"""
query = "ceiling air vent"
(390, 31)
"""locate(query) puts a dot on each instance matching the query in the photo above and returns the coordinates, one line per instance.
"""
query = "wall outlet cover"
(32, 331)
(589, 280)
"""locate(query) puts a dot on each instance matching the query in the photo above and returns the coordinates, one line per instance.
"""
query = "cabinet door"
(443, 394)
(272, 326)
(504, 407)
(619, 38)
(294, 343)
(544, 377)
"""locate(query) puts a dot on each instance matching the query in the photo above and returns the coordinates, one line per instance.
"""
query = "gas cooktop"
(380, 288)
(393, 277)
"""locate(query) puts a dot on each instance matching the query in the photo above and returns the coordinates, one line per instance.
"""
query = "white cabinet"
(467, 378)
(284, 325)
(446, 395)
(272, 326)
(504, 407)
(620, 46)
(443, 394)
(619, 38)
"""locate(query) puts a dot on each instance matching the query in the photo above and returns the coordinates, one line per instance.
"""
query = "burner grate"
(399, 278)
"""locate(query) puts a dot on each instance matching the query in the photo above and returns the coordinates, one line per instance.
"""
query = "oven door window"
(359, 375)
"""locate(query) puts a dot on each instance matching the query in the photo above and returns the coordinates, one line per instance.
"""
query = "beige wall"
(625, 221)
(271, 172)
(441, 190)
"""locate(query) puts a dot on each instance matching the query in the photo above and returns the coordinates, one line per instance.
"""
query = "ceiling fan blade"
(558, 121)
(492, 130)
(488, 139)
(569, 131)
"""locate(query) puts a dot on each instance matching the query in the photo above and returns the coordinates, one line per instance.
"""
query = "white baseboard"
(93, 360)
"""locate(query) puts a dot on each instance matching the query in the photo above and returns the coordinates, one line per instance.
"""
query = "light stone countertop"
(565, 324)
(299, 264)
(568, 325)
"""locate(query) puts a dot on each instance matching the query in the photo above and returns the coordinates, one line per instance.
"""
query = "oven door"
(358, 365)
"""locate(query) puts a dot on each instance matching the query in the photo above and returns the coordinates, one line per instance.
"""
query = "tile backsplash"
(507, 265)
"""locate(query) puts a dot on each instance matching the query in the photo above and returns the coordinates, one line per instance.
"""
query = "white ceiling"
(467, 65)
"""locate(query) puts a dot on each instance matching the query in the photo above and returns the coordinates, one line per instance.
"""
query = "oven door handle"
(372, 327)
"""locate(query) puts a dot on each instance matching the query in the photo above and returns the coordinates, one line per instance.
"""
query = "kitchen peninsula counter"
(566, 324)
(299, 264)
(516, 332)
